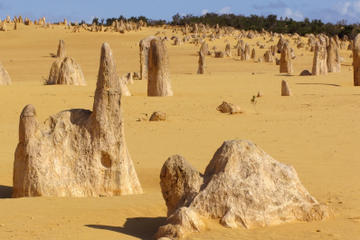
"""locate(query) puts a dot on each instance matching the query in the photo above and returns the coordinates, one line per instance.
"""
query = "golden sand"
(316, 130)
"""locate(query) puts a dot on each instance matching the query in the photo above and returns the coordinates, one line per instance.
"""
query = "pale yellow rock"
(4, 76)
(61, 51)
(201, 63)
(285, 59)
(356, 60)
(243, 186)
(285, 90)
(144, 46)
(158, 116)
(226, 107)
(320, 59)
(179, 182)
(333, 56)
(158, 72)
(66, 71)
(77, 152)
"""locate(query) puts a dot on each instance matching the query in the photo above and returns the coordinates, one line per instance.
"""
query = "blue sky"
(76, 10)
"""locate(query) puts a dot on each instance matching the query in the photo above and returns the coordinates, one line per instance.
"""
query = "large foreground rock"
(77, 152)
(242, 186)
(4, 76)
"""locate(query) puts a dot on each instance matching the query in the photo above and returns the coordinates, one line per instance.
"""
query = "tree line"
(270, 23)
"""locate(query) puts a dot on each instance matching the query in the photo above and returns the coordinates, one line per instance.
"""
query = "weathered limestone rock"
(243, 186)
(158, 73)
(247, 52)
(179, 182)
(277, 62)
(201, 67)
(61, 51)
(204, 49)
(305, 73)
(3, 26)
(54, 72)
(285, 59)
(268, 57)
(77, 152)
(356, 60)
(123, 82)
(226, 107)
(333, 56)
(253, 54)
(4, 76)
(144, 46)
(219, 54)
(273, 50)
(67, 72)
(228, 50)
(320, 58)
(285, 90)
(158, 116)
(281, 44)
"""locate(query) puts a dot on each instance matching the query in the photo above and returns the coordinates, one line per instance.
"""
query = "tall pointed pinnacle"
(107, 76)
(107, 101)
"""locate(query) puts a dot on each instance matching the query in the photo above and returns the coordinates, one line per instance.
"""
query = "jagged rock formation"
(158, 116)
(201, 63)
(285, 59)
(281, 44)
(179, 182)
(77, 152)
(241, 186)
(247, 52)
(144, 46)
(123, 82)
(268, 57)
(61, 51)
(66, 71)
(226, 107)
(158, 73)
(320, 58)
(228, 50)
(253, 54)
(333, 56)
(204, 49)
(356, 60)
(4, 76)
(285, 90)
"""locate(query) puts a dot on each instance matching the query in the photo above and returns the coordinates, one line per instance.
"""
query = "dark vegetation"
(269, 23)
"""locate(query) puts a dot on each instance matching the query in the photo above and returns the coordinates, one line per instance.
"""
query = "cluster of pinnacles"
(80, 153)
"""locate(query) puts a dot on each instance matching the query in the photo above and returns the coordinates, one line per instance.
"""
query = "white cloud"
(348, 8)
(344, 9)
(204, 11)
(225, 10)
(296, 15)
(356, 6)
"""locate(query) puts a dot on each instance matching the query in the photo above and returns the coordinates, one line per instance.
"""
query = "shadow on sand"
(140, 227)
(5, 191)
(326, 84)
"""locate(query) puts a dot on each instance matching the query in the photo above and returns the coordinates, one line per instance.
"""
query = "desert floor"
(317, 131)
